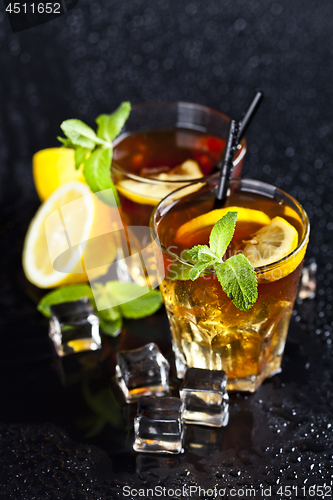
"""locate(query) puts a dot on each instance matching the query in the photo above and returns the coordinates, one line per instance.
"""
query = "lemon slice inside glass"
(192, 231)
(271, 243)
(148, 192)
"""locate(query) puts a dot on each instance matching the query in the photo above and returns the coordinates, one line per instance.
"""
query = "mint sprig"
(94, 149)
(236, 274)
(111, 318)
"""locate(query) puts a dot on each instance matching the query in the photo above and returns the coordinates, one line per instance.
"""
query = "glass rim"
(114, 166)
(242, 182)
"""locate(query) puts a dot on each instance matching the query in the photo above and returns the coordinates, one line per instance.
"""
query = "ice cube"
(205, 397)
(74, 327)
(142, 372)
(158, 425)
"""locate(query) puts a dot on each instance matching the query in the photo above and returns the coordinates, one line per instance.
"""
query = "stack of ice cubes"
(142, 374)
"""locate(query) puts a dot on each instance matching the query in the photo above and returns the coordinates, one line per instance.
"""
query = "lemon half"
(70, 239)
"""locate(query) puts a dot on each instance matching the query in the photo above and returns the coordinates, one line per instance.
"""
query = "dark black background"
(215, 52)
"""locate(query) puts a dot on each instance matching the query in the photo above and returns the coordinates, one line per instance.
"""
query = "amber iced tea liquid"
(142, 154)
(208, 331)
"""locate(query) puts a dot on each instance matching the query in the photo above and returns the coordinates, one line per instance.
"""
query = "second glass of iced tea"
(164, 146)
(208, 331)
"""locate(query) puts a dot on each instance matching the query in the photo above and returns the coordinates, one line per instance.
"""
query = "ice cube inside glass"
(74, 327)
(205, 397)
(142, 372)
(158, 425)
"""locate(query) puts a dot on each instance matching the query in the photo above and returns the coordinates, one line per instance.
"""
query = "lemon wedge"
(151, 193)
(70, 239)
(54, 167)
(196, 228)
(271, 243)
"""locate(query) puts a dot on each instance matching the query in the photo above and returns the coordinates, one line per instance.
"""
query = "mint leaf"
(199, 267)
(105, 312)
(238, 280)
(80, 155)
(192, 252)
(222, 234)
(112, 328)
(90, 170)
(80, 134)
(205, 254)
(142, 306)
(236, 275)
(109, 314)
(123, 292)
(97, 174)
(201, 252)
(133, 304)
(66, 143)
(109, 126)
(69, 293)
(84, 140)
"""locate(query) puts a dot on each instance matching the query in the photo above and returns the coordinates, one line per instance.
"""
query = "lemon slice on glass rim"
(190, 231)
(271, 244)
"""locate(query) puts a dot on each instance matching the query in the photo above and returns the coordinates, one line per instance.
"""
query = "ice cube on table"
(158, 425)
(205, 397)
(142, 372)
(74, 327)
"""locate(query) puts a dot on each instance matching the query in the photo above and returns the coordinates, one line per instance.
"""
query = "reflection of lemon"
(271, 244)
(79, 345)
(52, 168)
(68, 230)
(190, 231)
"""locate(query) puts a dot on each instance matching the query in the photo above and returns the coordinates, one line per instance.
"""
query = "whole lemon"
(54, 167)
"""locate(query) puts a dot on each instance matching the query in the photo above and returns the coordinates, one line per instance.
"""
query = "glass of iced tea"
(208, 331)
(163, 147)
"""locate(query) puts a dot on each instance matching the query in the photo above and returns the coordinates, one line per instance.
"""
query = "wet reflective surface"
(56, 439)
(69, 416)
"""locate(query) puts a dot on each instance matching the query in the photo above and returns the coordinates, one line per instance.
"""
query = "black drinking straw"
(249, 113)
(235, 134)
(229, 153)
